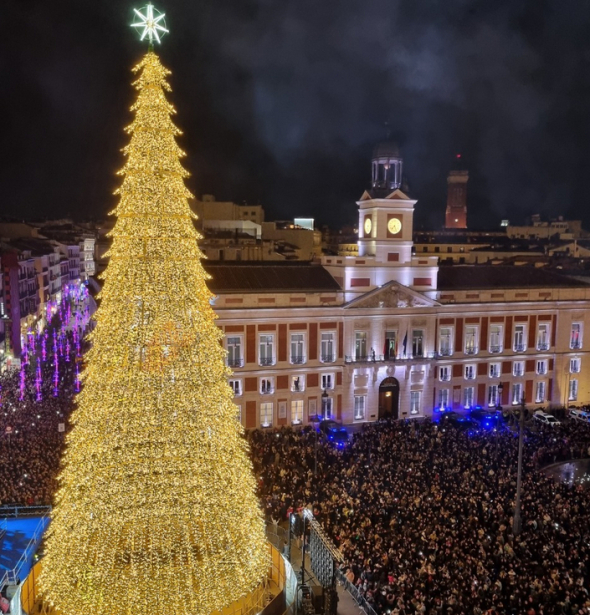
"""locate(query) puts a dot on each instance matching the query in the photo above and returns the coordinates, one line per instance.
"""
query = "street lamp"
(516, 523)
(499, 404)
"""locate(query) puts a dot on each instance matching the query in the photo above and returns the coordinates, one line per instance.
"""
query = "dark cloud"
(282, 102)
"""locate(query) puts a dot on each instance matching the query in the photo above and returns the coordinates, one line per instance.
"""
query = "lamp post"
(500, 390)
(516, 524)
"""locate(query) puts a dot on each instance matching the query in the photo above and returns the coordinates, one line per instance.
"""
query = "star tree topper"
(152, 21)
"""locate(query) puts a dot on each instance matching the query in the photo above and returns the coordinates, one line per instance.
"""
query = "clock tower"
(386, 219)
(385, 212)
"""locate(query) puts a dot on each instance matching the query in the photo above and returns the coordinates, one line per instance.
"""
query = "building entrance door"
(389, 399)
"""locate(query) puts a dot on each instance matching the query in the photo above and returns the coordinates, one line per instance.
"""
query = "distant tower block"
(456, 214)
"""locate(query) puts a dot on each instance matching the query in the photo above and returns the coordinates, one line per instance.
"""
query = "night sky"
(281, 102)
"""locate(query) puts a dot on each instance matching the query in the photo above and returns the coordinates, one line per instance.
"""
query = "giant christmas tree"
(156, 511)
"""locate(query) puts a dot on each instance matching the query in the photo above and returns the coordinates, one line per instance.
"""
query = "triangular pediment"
(398, 195)
(379, 195)
(391, 295)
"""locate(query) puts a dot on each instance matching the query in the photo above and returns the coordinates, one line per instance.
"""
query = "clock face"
(394, 226)
(368, 226)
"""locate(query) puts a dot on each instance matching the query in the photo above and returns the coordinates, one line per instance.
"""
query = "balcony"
(471, 350)
(519, 348)
(385, 358)
(298, 360)
(266, 361)
(445, 378)
(494, 349)
(446, 352)
(267, 390)
(575, 345)
(542, 346)
(327, 358)
(517, 373)
(235, 362)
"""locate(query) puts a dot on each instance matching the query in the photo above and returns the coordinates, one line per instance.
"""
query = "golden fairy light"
(156, 510)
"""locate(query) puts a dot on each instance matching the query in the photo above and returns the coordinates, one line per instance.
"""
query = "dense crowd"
(423, 515)
(35, 404)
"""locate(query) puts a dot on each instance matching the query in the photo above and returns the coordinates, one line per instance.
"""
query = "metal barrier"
(355, 593)
(14, 574)
(11, 512)
(277, 536)
(12, 577)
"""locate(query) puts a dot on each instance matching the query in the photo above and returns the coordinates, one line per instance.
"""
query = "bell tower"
(456, 213)
(387, 167)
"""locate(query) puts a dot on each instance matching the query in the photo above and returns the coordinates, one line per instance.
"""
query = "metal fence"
(12, 512)
(277, 536)
(12, 577)
(355, 593)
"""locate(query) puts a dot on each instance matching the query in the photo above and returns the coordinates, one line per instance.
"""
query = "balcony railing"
(298, 360)
(542, 346)
(385, 358)
(266, 361)
(446, 352)
(327, 358)
(471, 350)
(494, 349)
(267, 390)
(575, 345)
(445, 377)
(519, 347)
(517, 373)
(235, 362)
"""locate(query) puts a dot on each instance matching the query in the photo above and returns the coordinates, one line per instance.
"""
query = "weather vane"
(152, 21)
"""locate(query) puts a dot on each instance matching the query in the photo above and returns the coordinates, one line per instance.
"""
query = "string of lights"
(156, 508)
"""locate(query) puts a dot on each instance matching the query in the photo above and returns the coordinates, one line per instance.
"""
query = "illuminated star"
(150, 23)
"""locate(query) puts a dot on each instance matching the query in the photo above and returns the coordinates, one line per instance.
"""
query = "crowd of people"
(423, 515)
(35, 403)
(422, 512)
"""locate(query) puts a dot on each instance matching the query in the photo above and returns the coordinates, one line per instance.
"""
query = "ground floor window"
(414, 402)
(573, 390)
(516, 393)
(493, 395)
(327, 407)
(266, 414)
(359, 407)
(540, 396)
(297, 411)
